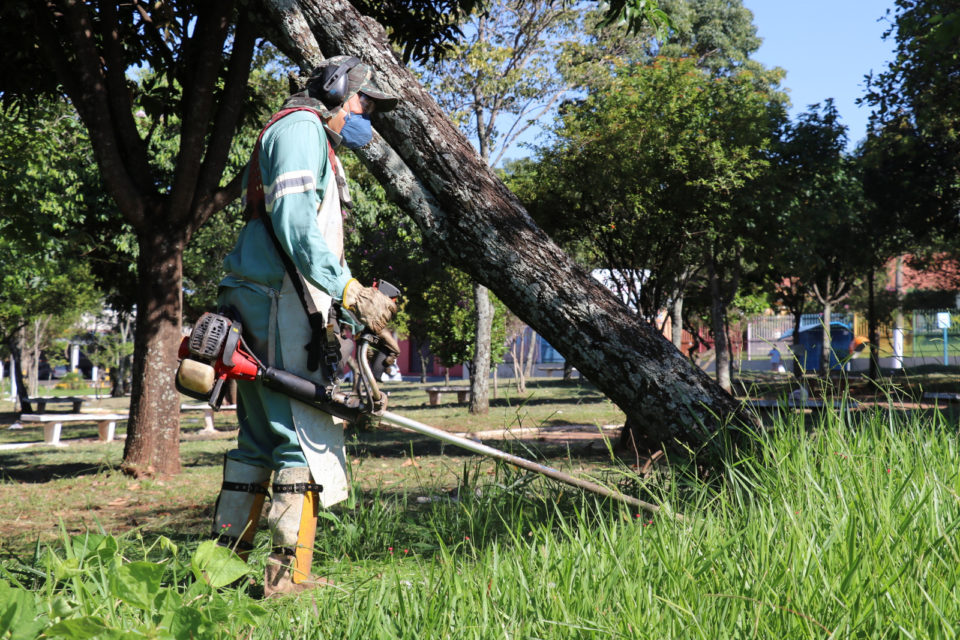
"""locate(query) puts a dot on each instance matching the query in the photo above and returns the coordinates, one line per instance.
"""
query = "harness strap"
(298, 487)
(243, 487)
(256, 202)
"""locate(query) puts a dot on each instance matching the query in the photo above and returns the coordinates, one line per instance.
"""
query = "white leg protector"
(239, 506)
(293, 521)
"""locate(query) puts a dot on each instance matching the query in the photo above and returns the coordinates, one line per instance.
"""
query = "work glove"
(389, 343)
(371, 307)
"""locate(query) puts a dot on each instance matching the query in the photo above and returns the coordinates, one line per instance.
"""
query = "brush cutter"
(215, 352)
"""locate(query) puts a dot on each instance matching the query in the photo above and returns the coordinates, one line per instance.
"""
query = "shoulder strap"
(256, 206)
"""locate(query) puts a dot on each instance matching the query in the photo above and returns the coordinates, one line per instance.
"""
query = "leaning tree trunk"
(480, 370)
(466, 214)
(154, 430)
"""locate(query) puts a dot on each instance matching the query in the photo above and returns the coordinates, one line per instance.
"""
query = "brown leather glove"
(371, 307)
(390, 344)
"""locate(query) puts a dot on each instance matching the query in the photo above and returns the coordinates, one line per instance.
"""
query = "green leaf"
(103, 547)
(137, 583)
(186, 624)
(217, 565)
(78, 628)
(18, 613)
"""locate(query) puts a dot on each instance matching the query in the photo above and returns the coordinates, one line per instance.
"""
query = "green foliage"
(381, 242)
(651, 169)
(823, 216)
(451, 324)
(916, 110)
(720, 34)
(89, 589)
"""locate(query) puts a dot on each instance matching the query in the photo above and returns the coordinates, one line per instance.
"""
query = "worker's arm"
(296, 170)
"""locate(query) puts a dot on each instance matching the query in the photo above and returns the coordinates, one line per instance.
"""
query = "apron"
(320, 434)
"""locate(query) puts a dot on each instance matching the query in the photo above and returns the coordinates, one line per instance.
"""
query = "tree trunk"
(873, 327)
(423, 362)
(676, 332)
(827, 341)
(468, 216)
(516, 351)
(531, 357)
(480, 370)
(719, 326)
(17, 374)
(153, 431)
(898, 318)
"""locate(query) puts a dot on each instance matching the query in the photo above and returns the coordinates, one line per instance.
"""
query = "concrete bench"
(207, 413)
(53, 423)
(549, 369)
(435, 393)
(41, 402)
(795, 403)
(941, 397)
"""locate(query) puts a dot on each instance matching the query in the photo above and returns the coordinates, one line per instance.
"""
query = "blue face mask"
(357, 131)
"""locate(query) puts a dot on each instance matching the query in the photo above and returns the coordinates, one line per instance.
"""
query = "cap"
(360, 81)
(384, 101)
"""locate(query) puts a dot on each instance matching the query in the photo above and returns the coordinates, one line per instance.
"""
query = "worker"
(294, 190)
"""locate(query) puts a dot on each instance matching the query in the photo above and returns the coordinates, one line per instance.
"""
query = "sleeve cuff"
(344, 299)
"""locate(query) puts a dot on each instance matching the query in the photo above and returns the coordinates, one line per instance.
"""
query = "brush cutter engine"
(215, 352)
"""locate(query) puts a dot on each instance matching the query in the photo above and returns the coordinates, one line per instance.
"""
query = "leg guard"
(239, 506)
(293, 520)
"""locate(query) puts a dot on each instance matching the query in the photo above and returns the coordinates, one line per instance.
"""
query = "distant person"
(776, 362)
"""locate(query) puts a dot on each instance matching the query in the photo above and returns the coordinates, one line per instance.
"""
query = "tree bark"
(898, 345)
(718, 322)
(467, 215)
(480, 370)
(676, 333)
(873, 327)
(154, 429)
(17, 373)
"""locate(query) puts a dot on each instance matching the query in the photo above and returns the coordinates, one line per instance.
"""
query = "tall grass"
(844, 529)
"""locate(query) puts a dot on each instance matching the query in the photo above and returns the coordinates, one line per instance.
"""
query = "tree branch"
(202, 59)
(121, 110)
(85, 79)
(225, 123)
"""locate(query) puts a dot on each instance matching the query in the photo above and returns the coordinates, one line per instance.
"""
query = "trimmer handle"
(387, 289)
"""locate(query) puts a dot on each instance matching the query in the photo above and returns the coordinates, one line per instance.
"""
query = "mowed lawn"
(839, 525)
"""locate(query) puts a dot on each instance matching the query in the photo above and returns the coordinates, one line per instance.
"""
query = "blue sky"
(826, 47)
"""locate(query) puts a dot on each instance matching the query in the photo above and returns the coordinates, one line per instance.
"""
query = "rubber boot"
(239, 506)
(293, 521)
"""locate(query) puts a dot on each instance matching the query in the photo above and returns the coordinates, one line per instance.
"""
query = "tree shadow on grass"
(18, 468)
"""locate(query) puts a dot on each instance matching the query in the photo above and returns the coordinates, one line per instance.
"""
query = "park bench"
(207, 413)
(942, 397)
(435, 393)
(814, 404)
(40, 403)
(53, 423)
(549, 369)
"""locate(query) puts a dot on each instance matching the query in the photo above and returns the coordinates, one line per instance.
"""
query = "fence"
(923, 336)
